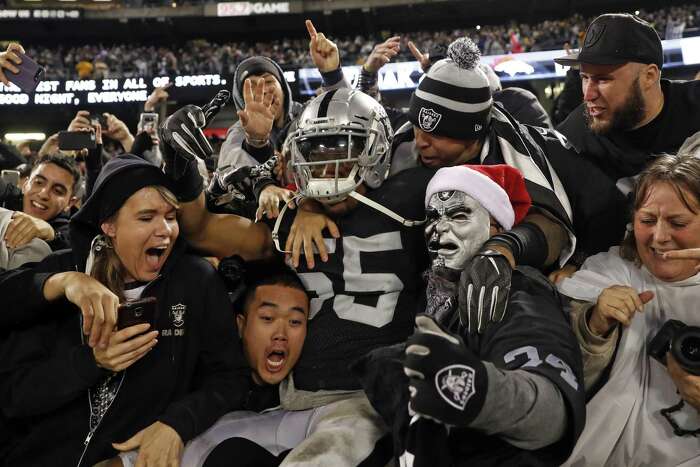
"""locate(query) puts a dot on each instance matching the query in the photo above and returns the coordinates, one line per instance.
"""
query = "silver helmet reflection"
(342, 139)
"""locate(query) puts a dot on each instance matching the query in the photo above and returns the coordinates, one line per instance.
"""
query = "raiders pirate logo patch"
(455, 384)
(428, 119)
(593, 35)
(177, 313)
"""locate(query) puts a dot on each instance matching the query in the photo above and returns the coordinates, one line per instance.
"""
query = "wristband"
(526, 241)
(256, 142)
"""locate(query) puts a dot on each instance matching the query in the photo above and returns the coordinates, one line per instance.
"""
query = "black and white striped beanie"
(454, 99)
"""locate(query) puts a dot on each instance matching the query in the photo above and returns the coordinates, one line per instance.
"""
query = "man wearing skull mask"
(509, 388)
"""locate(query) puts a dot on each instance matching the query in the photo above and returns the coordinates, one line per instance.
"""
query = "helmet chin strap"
(386, 211)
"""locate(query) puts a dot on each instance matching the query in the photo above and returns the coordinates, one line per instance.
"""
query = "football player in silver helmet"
(342, 140)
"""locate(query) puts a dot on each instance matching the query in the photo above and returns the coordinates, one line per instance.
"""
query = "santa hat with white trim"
(500, 189)
(454, 98)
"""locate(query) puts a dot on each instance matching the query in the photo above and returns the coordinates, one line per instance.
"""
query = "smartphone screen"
(148, 122)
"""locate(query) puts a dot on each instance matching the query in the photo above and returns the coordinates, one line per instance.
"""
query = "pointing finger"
(414, 51)
(310, 28)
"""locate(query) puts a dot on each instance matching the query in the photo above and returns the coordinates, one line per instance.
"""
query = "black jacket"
(524, 106)
(49, 380)
(194, 375)
(623, 154)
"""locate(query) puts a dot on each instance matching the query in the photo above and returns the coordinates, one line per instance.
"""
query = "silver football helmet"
(342, 139)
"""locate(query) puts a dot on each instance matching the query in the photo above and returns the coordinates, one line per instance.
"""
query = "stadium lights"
(478, 27)
(636, 12)
(25, 137)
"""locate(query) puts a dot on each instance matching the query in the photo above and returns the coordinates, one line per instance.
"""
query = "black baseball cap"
(617, 38)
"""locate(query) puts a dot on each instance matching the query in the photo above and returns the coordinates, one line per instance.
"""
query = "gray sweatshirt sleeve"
(232, 152)
(597, 351)
(524, 409)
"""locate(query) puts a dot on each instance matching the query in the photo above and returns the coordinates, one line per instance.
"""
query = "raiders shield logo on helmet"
(455, 384)
(428, 119)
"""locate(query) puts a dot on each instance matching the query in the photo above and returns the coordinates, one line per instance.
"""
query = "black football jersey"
(367, 294)
(535, 336)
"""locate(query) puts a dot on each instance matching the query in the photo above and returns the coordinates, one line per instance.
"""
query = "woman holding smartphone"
(74, 389)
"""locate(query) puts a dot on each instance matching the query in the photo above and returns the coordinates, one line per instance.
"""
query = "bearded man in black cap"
(629, 114)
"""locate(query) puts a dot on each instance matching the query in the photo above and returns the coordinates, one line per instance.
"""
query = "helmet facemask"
(330, 160)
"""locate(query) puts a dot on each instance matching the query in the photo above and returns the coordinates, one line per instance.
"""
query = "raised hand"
(257, 117)
(117, 130)
(182, 133)
(215, 105)
(616, 304)
(422, 58)
(8, 60)
(158, 95)
(324, 52)
(81, 121)
(382, 54)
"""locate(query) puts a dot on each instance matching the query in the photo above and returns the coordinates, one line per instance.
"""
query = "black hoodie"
(194, 375)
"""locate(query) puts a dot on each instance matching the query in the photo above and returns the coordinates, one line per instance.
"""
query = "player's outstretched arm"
(223, 235)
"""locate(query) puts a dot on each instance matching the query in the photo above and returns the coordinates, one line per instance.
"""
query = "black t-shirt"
(367, 294)
(625, 154)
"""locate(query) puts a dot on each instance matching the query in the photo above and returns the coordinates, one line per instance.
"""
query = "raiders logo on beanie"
(454, 99)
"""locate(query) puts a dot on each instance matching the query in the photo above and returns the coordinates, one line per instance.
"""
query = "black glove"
(242, 183)
(447, 381)
(183, 142)
(483, 290)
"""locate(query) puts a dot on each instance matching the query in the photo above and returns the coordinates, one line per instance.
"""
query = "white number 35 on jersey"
(355, 280)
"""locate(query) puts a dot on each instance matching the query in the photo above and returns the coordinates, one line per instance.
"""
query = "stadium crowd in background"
(359, 283)
(203, 57)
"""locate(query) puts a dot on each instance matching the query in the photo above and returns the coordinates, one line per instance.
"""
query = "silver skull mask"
(457, 226)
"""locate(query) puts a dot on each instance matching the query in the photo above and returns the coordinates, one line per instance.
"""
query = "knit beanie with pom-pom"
(454, 99)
